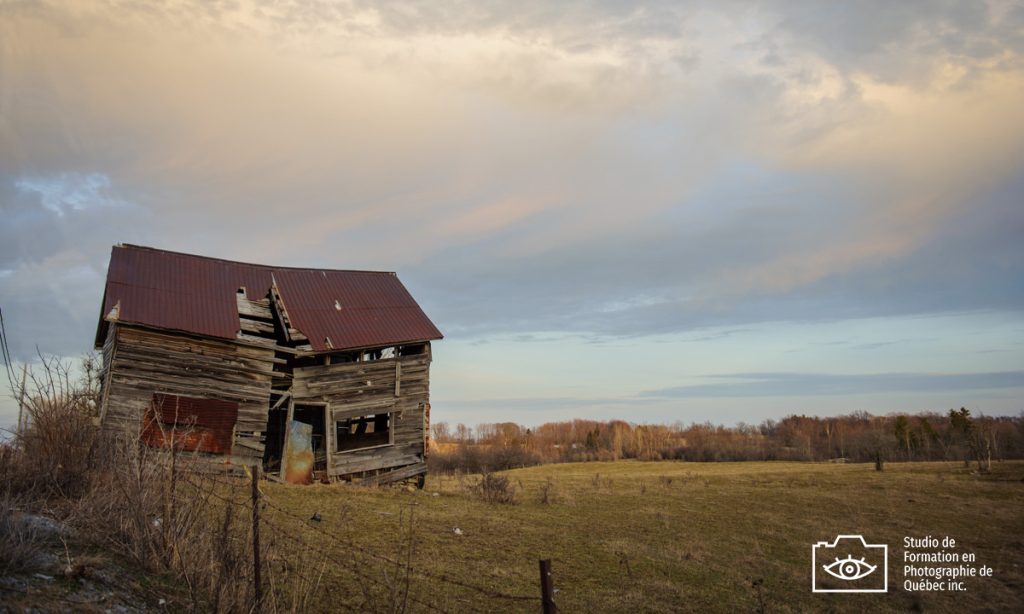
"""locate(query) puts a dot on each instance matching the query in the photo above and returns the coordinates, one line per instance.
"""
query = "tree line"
(855, 437)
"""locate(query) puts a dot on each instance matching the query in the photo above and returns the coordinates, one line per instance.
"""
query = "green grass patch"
(634, 536)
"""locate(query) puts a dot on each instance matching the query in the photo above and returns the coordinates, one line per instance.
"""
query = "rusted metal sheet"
(334, 309)
(204, 425)
(298, 454)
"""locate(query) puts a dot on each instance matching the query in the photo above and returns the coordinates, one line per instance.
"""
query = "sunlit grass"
(667, 536)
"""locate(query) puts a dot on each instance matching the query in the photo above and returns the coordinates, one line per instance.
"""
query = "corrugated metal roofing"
(197, 294)
(206, 425)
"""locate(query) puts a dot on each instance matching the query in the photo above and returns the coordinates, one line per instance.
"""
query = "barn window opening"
(364, 432)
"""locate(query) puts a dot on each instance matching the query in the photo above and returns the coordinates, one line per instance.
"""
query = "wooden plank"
(395, 475)
(287, 432)
(329, 427)
(344, 411)
(193, 387)
(256, 340)
(185, 362)
(284, 397)
(226, 351)
(240, 345)
(255, 309)
(255, 326)
(371, 464)
(383, 365)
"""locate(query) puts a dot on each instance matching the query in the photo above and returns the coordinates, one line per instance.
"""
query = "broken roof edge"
(275, 347)
(264, 266)
(103, 325)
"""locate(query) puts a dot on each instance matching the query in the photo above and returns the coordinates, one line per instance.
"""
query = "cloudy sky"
(659, 211)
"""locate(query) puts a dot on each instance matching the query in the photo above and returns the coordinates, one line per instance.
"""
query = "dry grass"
(153, 507)
(710, 537)
(158, 509)
(21, 549)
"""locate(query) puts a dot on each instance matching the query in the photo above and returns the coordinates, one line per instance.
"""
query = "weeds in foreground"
(20, 543)
(494, 488)
(547, 491)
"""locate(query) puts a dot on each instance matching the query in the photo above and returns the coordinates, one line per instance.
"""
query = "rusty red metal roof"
(197, 294)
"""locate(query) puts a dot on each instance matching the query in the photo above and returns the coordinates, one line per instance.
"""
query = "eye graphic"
(849, 568)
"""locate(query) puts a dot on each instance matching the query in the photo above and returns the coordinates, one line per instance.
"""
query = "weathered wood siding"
(398, 385)
(141, 362)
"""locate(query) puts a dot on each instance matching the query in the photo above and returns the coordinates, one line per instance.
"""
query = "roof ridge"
(253, 264)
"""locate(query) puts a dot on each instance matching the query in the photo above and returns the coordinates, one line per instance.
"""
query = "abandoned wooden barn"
(313, 373)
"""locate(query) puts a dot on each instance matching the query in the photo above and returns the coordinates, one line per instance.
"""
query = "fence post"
(256, 583)
(547, 590)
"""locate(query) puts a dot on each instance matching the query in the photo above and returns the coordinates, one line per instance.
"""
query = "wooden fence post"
(547, 589)
(256, 583)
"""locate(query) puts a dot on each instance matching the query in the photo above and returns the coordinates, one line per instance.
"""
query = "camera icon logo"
(849, 564)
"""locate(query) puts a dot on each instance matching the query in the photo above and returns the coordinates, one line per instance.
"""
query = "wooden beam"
(395, 475)
(398, 378)
(287, 433)
(284, 397)
(329, 426)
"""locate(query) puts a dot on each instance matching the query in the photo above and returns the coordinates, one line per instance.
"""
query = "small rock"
(457, 531)
(42, 524)
(316, 517)
(435, 494)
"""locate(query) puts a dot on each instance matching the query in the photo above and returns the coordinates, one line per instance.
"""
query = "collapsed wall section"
(375, 412)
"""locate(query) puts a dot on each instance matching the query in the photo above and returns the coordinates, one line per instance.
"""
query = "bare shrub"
(156, 507)
(478, 459)
(547, 491)
(494, 488)
(50, 454)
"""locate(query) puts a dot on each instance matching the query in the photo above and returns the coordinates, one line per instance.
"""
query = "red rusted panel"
(197, 294)
(205, 425)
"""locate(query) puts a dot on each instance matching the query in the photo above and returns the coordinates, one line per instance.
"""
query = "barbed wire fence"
(388, 582)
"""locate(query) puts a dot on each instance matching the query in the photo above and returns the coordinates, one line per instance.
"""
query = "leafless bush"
(156, 507)
(50, 454)
(547, 491)
(478, 459)
(494, 488)
(598, 482)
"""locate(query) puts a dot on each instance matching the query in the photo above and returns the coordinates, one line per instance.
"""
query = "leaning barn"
(310, 372)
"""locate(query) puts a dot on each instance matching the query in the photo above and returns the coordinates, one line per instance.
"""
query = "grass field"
(663, 536)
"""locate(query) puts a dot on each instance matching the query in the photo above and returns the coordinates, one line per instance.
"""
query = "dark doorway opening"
(277, 429)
